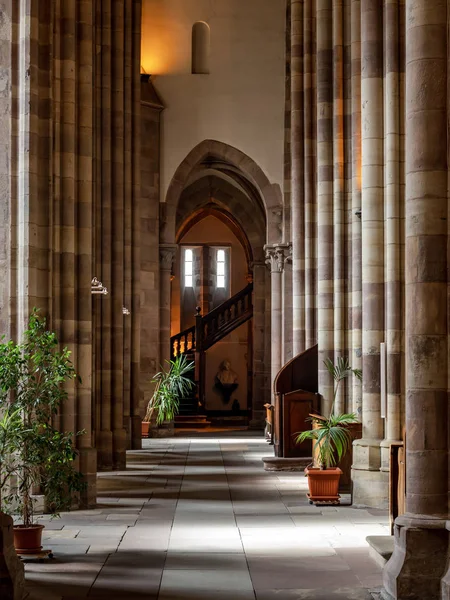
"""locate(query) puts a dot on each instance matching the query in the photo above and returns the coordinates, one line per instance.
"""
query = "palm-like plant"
(172, 384)
(331, 434)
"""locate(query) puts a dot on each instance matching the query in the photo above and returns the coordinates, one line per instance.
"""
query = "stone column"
(356, 249)
(287, 313)
(260, 333)
(370, 485)
(309, 104)
(297, 177)
(276, 256)
(167, 254)
(421, 540)
(136, 237)
(339, 267)
(394, 325)
(148, 225)
(325, 297)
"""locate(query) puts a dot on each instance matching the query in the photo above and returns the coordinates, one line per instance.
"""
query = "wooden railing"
(210, 329)
(182, 342)
(227, 317)
(213, 327)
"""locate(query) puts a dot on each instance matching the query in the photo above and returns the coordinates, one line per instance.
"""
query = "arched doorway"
(219, 189)
(213, 264)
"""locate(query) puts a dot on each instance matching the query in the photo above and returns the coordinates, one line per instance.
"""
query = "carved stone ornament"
(166, 257)
(277, 255)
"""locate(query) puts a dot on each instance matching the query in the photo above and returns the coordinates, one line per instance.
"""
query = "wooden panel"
(300, 373)
(296, 407)
(397, 490)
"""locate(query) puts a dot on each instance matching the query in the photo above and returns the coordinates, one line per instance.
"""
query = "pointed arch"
(227, 161)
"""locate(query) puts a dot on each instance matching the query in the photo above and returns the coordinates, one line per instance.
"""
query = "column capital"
(167, 253)
(277, 255)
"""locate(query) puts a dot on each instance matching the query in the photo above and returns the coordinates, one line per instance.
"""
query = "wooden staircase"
(194, 341)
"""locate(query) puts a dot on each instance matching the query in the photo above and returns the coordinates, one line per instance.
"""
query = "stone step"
(191, 422)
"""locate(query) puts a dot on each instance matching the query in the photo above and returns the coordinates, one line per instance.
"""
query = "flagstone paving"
(198, 518)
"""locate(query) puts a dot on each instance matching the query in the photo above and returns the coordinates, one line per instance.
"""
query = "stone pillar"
(287, 344)
(297, 177)
(393, 223)
(136, 238)
(167, 254)
(261, 393)
(325, 295)
(339, 267)
(309, 105)
(151, 109)
(371, 485)
(356, 249)
(276, 256)
(421, 540)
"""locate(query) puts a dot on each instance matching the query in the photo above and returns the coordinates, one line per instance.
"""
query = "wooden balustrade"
(211, 328)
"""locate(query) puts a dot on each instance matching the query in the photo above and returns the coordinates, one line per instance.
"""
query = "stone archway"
(220, 180)
(229, 162)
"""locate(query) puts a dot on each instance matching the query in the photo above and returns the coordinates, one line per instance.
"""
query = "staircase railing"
(183, 342)
(214, 326)
(227, 317)
(210, 329)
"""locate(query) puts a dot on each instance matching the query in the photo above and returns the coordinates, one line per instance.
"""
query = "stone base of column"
(104, 443)
(88, 466)
(119, 449)
(14, 585)
(136, 433)
(370, 484)
(419, 561)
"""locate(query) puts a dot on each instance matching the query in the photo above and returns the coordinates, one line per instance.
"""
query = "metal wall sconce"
(125, 311)
(97, 287)
(358, 213)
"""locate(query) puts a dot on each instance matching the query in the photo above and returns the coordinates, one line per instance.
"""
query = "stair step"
(191, 423)
(191, 417)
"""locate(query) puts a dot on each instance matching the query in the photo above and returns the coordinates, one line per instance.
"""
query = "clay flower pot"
(28, 539)
(323, 484)
(145, 429)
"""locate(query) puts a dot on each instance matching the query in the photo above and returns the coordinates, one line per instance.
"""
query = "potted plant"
(171, 384)
(34, 455)
(331, 438)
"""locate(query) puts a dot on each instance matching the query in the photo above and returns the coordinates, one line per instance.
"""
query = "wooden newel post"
(199, 357)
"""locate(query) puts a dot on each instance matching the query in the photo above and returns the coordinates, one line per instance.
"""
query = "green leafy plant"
(331, 433)
(172, 384)
(33, 453)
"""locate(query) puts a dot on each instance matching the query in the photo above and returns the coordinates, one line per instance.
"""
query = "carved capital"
(167, 255)
(277, 255)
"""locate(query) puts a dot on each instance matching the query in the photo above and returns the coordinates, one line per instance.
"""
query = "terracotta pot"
(27, 540)
(323, 484)
(145, 429)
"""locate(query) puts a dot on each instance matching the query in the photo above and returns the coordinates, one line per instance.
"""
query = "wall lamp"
(125, 311)
(97, 287)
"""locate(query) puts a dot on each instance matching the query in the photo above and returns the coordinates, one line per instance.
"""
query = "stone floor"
(198, 518)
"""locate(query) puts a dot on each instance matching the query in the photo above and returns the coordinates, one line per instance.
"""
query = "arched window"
(188, 268)
(200, 48)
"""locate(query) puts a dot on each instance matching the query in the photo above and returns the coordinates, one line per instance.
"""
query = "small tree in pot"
(33, 453)
(171, 384)
(332, 439)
